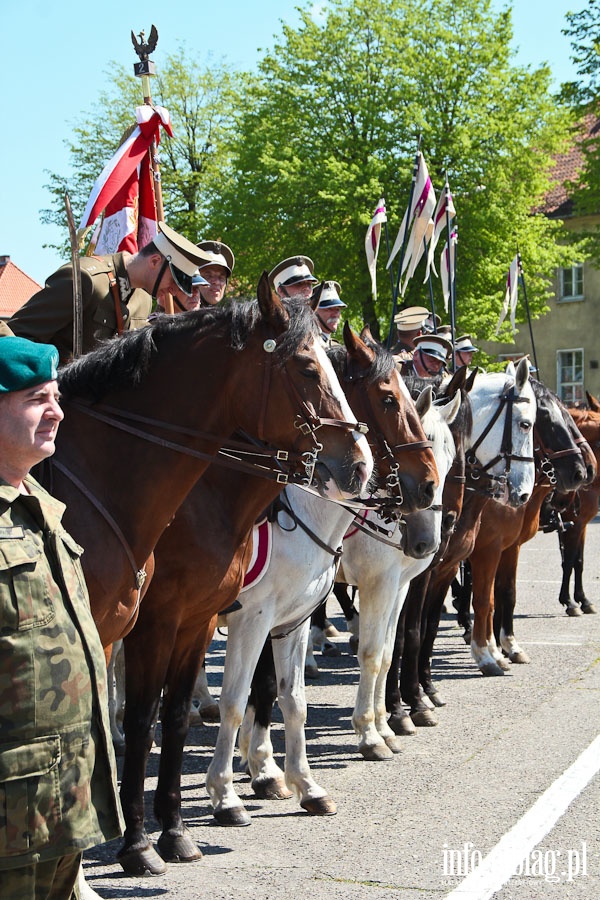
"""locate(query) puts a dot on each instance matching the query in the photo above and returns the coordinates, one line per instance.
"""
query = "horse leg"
(432, 614)
(379, 706)
(116, 696)
(569, 544)
(289, 653)
(578, 592)
(505, 598)
(268, 780)
(175, 842)
(484, 650)
(311, 669)
(204, 707)
(346, 602)
(399, 721)
(243, 650)
(461, 592)
(420, 713)
(143, 688)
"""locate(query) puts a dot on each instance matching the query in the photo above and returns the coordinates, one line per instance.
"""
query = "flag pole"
(451, 274)
(522, 280)
(396, 290)
(144, 69)
(430, 284)
(387, 245)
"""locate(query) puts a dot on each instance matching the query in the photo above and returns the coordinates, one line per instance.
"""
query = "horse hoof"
(504, 664)
(376, 752)
(424, 718)
(235, 817)
(178, 847)
(393, 743)
(139, 863)
(330, 650)
(195, 717)
(271, 789)
(353, 641)
(436, 698)
(402, 725)
(467, 638)
(588, 607)
(331, 630)
(210, 713)
(319, 806)
(573, 611)
(311, 672)
(492, 668)
(520, 657)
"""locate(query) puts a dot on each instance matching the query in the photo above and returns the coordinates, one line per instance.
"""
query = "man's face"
(29, 420)
(302, 290)
(329, 318)
(408, 337)
(426, 365)
(464, 357)
(214, 291)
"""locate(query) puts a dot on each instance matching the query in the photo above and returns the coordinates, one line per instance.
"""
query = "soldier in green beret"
(58, 793)
(117, 292)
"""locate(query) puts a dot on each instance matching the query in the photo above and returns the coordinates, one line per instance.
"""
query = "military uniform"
(57, 770)
(107, 295)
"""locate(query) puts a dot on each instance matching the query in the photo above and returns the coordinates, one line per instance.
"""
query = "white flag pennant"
(511, 295)
(448, 266)
(420, 214)
(444, 213)
(372, 239)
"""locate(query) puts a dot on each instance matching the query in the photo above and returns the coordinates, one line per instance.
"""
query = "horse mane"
(543, 392)
(381, 367)
(462, 425)
(124, 361)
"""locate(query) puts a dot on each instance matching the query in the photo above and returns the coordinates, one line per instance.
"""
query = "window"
(569, 375)
(571, 283)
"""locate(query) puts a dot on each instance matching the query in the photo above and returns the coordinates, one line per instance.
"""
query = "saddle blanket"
(262, 544)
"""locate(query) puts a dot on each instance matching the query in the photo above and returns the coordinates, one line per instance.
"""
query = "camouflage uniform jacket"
(58, 791)
(47, 317)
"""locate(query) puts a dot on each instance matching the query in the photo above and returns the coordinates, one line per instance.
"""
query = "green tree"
(331, 125)
(203, 103)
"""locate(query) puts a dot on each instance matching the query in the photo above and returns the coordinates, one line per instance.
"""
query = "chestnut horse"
(200, 564)
(132, 445)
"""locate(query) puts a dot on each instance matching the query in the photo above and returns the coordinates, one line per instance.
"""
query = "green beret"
(24, 364)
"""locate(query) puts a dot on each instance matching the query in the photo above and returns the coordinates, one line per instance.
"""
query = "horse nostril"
(426, 493)
(362, 473)
(523, 498)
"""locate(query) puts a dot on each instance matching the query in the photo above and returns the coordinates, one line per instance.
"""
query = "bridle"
(485, 481)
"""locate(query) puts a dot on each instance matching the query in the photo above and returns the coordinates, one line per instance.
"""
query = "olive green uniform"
(47, 317)
(58, 792)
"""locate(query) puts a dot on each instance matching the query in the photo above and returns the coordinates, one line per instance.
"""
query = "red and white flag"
(420, 214)
(372, 239)
(444, 214)
(448, 266)
(511, 295)
(124, 190)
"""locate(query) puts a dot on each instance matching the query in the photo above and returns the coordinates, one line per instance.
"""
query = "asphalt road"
(414, 826)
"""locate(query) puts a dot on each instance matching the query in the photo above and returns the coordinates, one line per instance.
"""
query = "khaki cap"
(411, 318)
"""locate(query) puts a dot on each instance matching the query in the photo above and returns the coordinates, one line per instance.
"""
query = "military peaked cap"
(435, 345)
(330, 295)
(292, 271)
(220, 255)
(411, 318)
(184, 258)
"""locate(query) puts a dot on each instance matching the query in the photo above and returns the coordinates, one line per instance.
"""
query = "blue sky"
(56, 57)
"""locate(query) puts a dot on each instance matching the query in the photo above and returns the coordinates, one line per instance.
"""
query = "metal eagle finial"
(145, 48)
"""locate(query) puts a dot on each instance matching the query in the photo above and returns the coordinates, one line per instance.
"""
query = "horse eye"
(389, 400)
(525, 426)
(311, 372)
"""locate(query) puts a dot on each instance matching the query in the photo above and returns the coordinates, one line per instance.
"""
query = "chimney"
(4, 260)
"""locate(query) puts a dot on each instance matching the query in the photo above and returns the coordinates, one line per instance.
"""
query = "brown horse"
(146, 413)
(200, 563)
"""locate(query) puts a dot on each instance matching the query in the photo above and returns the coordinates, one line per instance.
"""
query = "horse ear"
(510, 368)
(271, 307)
(522, 374)
(424, 401)
(470, 381)
(457, 382)
(316, 297)
(449, 411)
(593, 403)
(366, 334)
(360, 355)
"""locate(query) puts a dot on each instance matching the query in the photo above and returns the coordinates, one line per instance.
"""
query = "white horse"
(300, 575)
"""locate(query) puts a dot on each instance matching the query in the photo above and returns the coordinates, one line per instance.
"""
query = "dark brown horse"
(200, 563)
(577, 509)
(146, 413)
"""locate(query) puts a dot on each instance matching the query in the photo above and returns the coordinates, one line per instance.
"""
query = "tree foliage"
(332, 124)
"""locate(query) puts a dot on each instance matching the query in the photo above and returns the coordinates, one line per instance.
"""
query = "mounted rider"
(429, 356)
(293, 277)
(409, 325)
(329, 310)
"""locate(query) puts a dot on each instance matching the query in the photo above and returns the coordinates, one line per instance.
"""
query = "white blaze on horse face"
(338, 393)
(485, 398)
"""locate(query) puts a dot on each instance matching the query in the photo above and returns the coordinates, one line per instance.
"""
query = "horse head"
(500, 455)
(558, 443)
(406, 470)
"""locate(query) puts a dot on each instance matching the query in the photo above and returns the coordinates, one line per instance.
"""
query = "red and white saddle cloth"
(262, 545)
